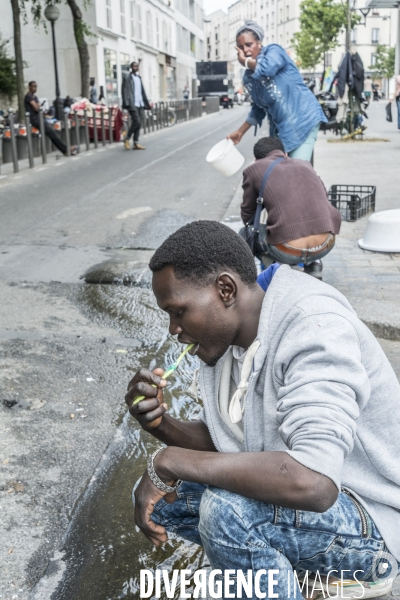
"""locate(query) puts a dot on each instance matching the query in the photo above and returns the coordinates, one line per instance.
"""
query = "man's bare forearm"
(271, 477)
(192, 435)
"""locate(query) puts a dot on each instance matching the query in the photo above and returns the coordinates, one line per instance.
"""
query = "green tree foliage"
(321, 22)
(8, 78)
(384, 62)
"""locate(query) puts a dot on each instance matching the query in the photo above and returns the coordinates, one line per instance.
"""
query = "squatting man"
(294, 461)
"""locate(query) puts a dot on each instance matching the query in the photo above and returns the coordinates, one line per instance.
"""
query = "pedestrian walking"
(186, 93)
(397, 98)
(301, 223)
(93, 97)
(278, 91)
(134, 100)
(293, 461)
(32, 106)
(368, 89)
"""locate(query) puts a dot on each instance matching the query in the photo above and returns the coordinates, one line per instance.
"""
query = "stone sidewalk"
(370, 280)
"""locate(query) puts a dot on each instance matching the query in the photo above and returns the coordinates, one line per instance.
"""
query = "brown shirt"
(294, 197)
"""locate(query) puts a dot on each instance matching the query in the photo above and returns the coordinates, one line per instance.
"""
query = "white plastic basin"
(383, 232)
(225, 157)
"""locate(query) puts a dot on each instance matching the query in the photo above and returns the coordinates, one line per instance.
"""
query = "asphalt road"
(84, 200)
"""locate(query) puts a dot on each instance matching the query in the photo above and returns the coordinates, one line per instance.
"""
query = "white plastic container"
(383, 232)
(225, 157)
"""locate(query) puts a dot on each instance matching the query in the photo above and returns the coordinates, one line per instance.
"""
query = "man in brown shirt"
(301, 224)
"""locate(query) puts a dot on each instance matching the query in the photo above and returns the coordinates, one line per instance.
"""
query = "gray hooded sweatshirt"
(323, 391)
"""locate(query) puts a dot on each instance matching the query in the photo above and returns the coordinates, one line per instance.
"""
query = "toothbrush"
(169, 371)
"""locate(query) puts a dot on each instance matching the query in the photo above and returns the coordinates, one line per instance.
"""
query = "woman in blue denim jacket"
(278, 91)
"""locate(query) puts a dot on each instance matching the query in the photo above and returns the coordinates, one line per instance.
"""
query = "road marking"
(131, 212)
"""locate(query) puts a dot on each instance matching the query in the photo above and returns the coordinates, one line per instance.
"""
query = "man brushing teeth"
(284, 469)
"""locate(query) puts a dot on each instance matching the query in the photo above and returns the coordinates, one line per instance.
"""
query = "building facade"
(190, 48)
(166, 40)
(217, 36)
(280, 20)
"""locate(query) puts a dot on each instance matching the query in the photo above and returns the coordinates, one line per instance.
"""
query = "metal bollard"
(29, 138)
(95, 139)
(87, 140)
(13, 141)
(42, 137)
(78, 133)
(67, 138)
(103, 132)
(110, 131)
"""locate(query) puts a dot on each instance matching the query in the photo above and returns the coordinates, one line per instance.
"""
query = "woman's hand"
(236, 136)
(241, 56)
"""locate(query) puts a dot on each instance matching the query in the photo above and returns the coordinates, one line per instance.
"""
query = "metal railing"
(29, 142)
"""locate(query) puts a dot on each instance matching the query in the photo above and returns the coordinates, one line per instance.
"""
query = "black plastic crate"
(353, 201)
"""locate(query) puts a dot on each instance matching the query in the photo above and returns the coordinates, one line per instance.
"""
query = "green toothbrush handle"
(166, 374)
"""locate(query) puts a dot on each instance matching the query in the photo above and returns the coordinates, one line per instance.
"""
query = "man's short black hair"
(31, 83)
(202, 249)
(266, 145)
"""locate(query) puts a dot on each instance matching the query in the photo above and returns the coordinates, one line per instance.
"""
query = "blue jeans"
(304, 152)
(309, 257)
(240, 534)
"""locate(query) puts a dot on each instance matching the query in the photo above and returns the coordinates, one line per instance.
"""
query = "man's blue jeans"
(239, 533)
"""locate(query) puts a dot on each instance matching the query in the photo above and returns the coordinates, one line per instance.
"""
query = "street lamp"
(52, 14)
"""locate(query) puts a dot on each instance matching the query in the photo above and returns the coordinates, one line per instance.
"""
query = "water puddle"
(103, 550)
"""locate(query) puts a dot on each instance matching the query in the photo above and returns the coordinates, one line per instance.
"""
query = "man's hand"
(236, 136)
(146, 497)
(147, 412)
(241, 56)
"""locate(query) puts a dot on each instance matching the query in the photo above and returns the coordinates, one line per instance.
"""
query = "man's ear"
(227, 288)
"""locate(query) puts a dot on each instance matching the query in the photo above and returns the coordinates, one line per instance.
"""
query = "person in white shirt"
(134, 100)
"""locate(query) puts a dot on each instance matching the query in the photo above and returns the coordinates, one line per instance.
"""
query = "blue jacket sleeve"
(271, 59)
(256, 115)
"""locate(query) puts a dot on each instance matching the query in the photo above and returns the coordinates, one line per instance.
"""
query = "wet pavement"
(68, 350)
(70, 455)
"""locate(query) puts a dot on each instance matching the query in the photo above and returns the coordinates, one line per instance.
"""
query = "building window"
(110, 68)
(375, 12)
(122, 13)
(157, 32)
(272, 19)
(280, 15)
(149, 28)
(139, 22)
(192, 44)
(353, 36)
(165, 36)
(124, 63)
(267, 22)
(132, 18)
(108, 14)
(375, 35)
(373, 60)
(287, 12)
(328, 59)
